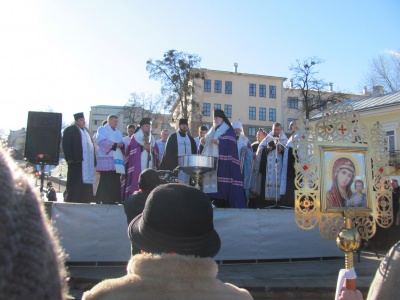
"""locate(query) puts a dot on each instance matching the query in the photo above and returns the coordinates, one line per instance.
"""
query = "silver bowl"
(196, 164)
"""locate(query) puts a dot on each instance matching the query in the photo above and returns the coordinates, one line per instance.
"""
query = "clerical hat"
(78, 116)
(145, 121)
(183, 121)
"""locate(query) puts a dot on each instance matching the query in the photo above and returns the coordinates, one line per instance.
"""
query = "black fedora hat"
(176, 218)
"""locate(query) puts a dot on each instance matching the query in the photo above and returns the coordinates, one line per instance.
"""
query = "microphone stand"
(277, 206)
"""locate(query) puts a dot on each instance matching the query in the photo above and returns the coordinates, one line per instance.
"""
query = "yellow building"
(258, 101)
(384, 109)
(252, 99)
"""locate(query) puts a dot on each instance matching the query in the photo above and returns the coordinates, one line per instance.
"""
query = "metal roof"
(371, 102)
(375, 102)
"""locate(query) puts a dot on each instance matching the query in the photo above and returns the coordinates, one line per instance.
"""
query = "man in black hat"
(177, 237)
(178, 143)
(78, 146)
(141, 154)
(225, 186)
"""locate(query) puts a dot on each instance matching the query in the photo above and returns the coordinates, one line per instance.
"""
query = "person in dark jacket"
(79, 151)
(134, 205)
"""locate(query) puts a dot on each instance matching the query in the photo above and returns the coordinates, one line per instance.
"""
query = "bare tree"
(313, 93)
(144, 106)
(176, 72)
(384, 71)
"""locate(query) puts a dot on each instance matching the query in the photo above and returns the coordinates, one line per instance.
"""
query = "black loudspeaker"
(43, 137)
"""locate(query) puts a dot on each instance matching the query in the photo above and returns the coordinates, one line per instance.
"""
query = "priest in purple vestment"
(220, 142)
(141, 153)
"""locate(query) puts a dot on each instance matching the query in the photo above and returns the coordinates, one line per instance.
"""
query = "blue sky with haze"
(66, 56)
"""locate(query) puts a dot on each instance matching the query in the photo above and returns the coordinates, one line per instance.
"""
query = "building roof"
(375, 102)
(371, 102)
(239, 73)
(108, 106)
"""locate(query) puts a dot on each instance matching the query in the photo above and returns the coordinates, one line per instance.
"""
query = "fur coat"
(167, 276)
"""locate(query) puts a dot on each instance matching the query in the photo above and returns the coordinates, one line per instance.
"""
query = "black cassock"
(170, 158)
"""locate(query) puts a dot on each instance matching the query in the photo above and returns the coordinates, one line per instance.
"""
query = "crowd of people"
(174, 238)
(105, 167)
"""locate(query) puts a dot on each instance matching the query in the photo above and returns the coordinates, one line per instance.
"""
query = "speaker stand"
(41, 179)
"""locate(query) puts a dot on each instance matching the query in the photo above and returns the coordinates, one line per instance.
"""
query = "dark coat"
(72, 144)
(170, 157)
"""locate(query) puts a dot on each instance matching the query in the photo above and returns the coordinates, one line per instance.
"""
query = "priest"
(141, 154)
(178, 143)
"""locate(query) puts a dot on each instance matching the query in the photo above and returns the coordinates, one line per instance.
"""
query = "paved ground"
(314, 279)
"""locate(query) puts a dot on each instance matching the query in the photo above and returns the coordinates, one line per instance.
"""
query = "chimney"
(235, 66)
(378, 90)
(291, 83)
(365, 90)
(330, 87)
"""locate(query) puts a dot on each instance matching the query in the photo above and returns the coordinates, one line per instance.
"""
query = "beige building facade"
(255, 100)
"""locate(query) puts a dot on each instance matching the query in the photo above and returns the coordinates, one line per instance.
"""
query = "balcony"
(394, 158)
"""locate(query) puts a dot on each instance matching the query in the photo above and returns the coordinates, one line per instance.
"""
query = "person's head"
(261, 134)
(31, 258)
(183, 125)
(202, 131)
(148, 180)
(112, 120)
(176, 218)
(238, 127)
(145, 125)
(49, 184)
(104, 122)
(276, 129)
(130, 129)
(219, 117)
(293, 126)
(80, 120)
(164, 134)
(395, 183)
(359, 185)
(343, 173)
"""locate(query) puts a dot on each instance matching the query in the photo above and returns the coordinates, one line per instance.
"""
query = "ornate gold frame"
(340, 130)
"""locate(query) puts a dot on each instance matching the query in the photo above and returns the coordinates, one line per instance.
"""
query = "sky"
(68, 55)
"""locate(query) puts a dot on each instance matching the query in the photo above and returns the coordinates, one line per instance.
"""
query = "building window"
(207, 85)
(96, 122)
(228, 87)
(390, 140)
(206, 109)
(262, 114)
(272, 114)
(217, 86)
(217, 106)
(228, 110)
(293, 102)
(252, 113)
(290, 120)
(253, 89)
(252, 131)
(263, 90)
(272, 91)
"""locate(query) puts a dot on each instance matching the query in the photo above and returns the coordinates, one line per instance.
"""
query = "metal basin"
(196, 163)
